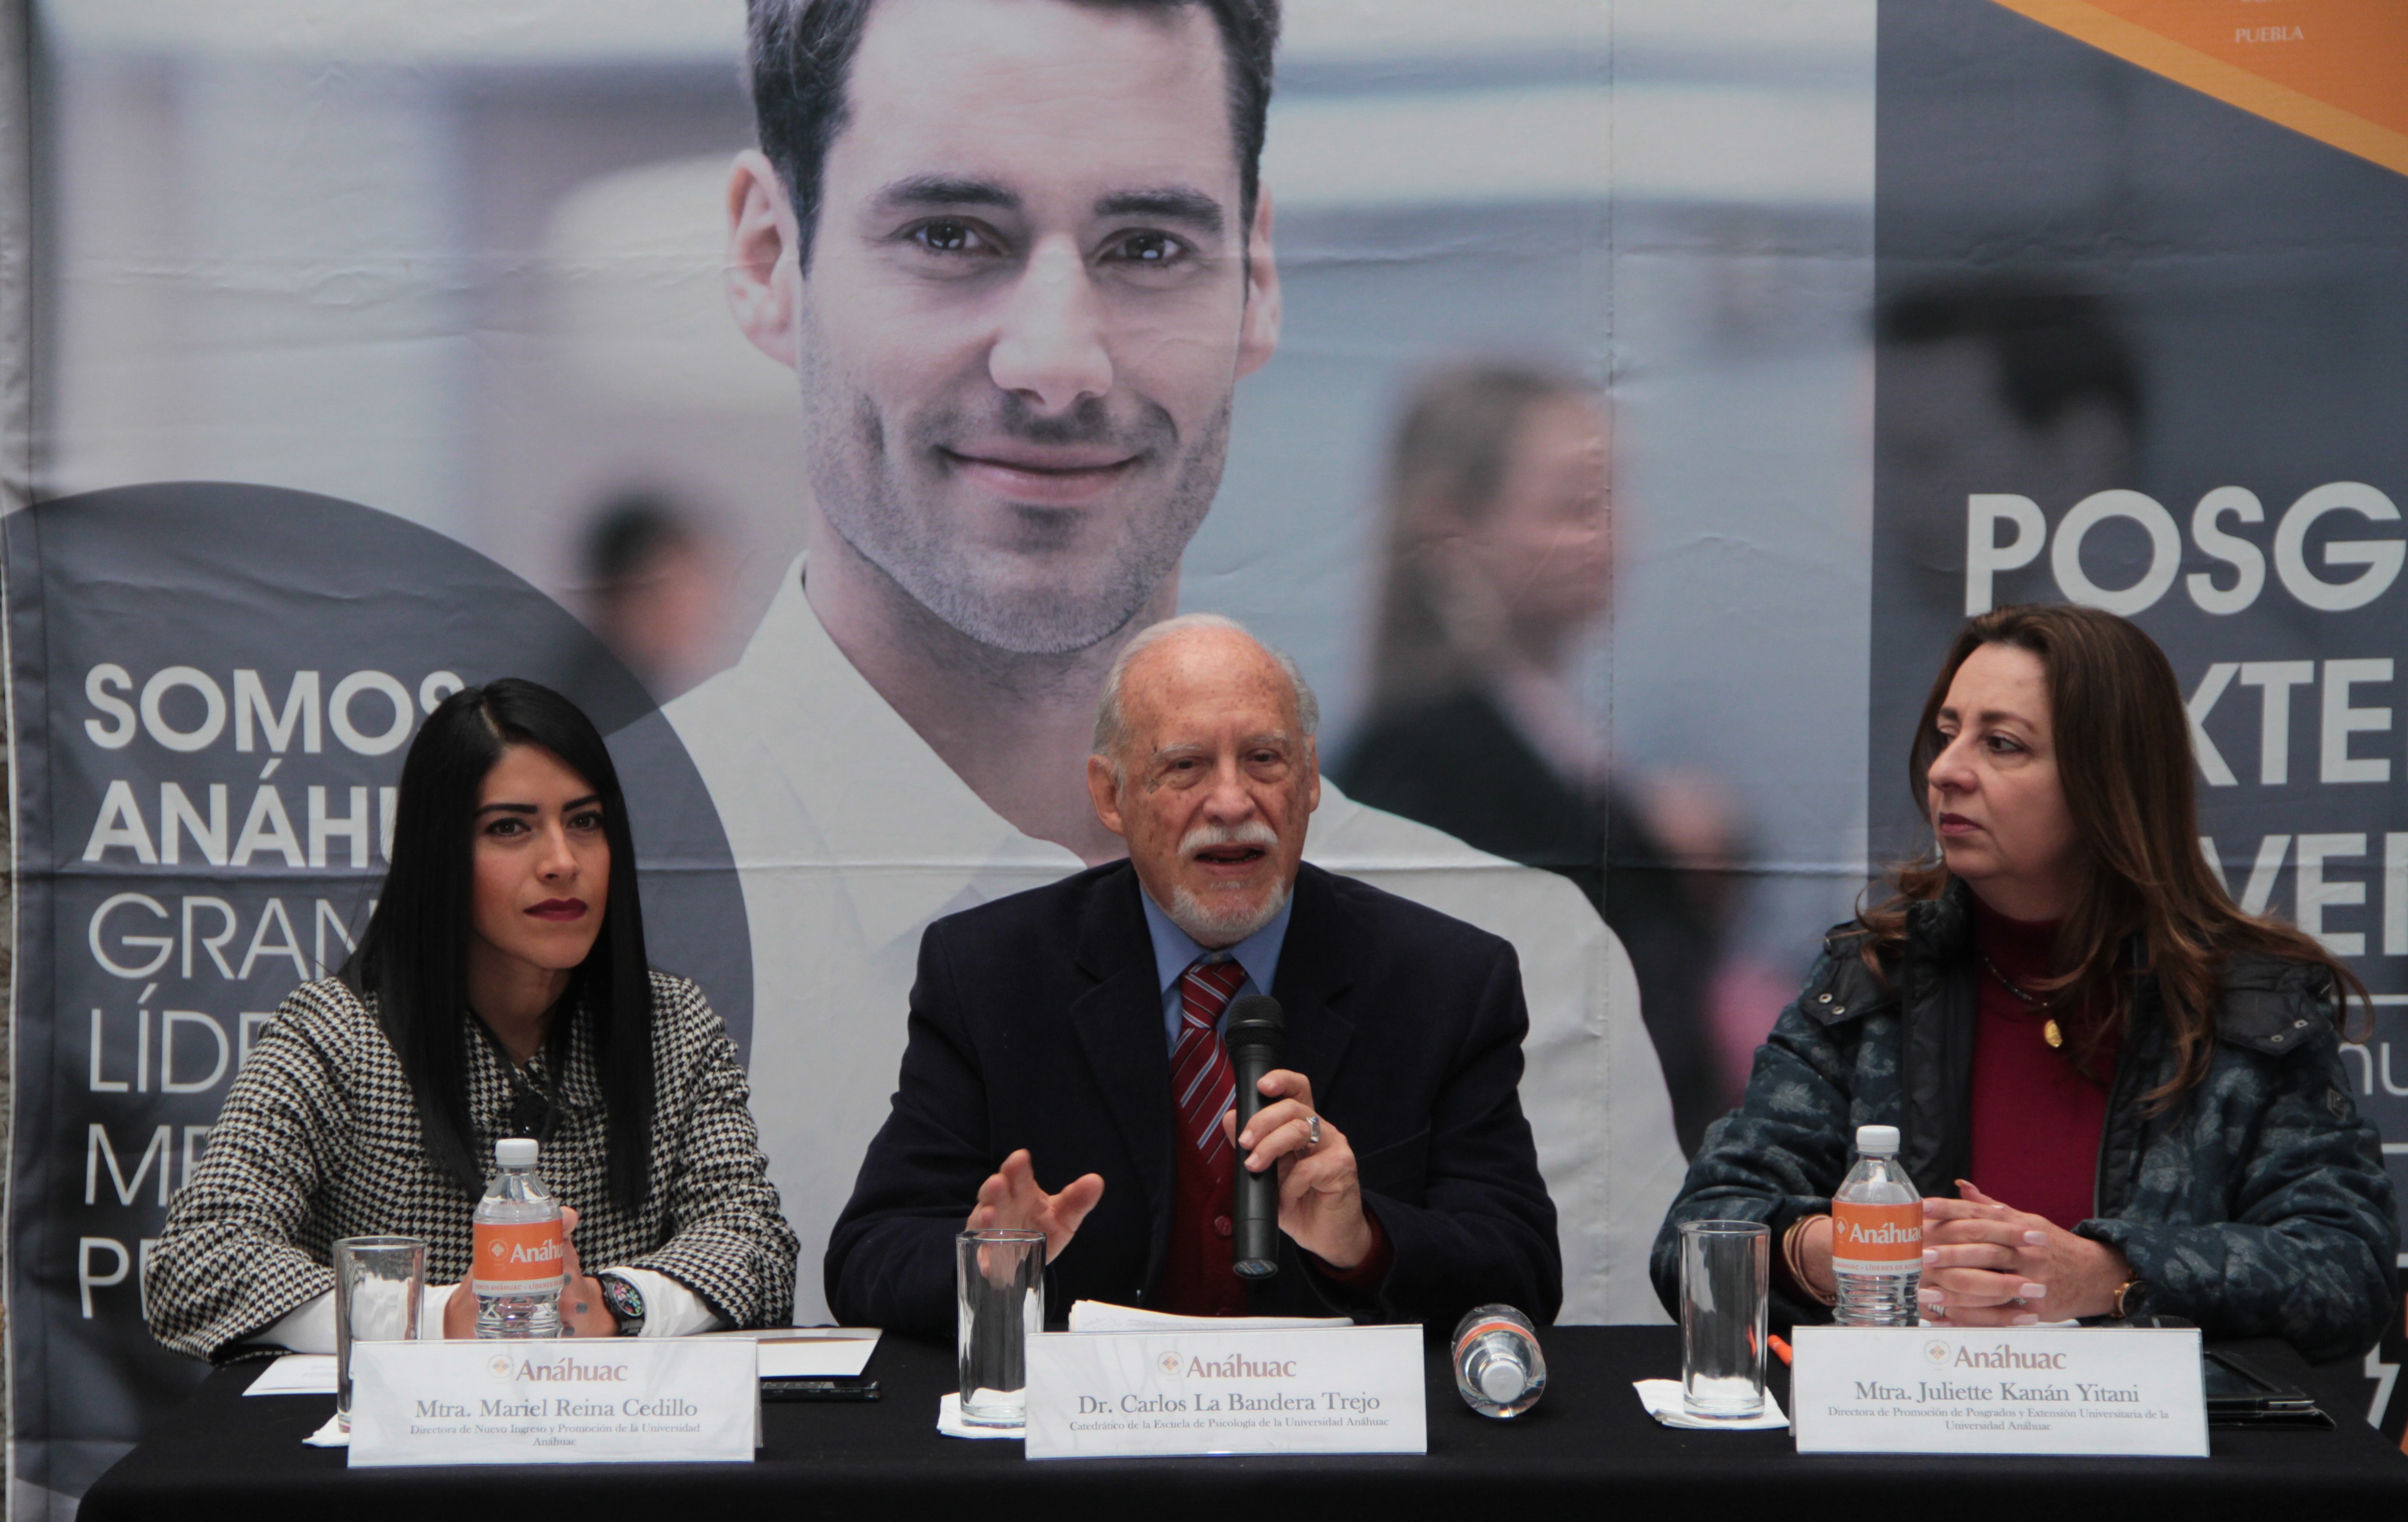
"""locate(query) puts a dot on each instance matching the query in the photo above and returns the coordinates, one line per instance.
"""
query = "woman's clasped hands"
(1986, 1264)
(583, 1313)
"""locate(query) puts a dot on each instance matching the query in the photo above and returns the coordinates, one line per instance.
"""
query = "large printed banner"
(2143, 328)
(1575, 391)
(824, 404)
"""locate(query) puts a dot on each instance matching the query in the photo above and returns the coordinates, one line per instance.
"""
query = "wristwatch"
(2131, 1298)
(626, 1301)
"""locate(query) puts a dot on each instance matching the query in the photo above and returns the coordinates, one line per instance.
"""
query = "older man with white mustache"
(1066, 1070)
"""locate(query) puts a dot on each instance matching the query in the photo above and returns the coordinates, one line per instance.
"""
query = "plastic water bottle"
(1497, 1366)
(520, 1259)
(1877, 1235)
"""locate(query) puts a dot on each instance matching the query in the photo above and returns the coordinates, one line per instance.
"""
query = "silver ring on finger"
(1313, 1130)
(2017, 1302)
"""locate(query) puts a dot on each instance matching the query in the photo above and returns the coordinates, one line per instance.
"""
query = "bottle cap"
(516, 1152)
(1503, 1381)
(1877, 1140)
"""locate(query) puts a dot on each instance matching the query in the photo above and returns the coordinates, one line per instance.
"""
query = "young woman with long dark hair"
(2120, 1094)
(500, 989)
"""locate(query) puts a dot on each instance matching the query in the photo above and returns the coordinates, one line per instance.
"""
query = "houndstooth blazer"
(319, 1140)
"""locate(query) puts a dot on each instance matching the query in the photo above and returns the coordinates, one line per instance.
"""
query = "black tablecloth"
(1587, 1450)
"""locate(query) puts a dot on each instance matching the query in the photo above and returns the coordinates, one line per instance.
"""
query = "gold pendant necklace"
(2049, 1030)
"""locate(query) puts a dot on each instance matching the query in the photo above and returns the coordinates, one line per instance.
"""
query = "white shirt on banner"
(851, 835)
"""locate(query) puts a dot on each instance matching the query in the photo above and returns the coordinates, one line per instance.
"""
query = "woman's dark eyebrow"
(528, 808)
(1988, 716)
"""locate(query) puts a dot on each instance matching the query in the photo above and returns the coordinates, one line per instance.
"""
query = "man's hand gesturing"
(1010, 1200)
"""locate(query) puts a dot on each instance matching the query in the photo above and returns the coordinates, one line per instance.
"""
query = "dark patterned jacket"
(319, 1140)
(2258, 1206)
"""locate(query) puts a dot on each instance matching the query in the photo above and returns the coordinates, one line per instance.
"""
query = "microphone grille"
(1257, 1020)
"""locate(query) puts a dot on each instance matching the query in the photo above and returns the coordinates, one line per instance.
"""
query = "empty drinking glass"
(1000, 1276)
(1725, 1274)
(378, 1282)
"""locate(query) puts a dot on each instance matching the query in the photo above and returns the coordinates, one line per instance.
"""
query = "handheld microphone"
(1258, 1043)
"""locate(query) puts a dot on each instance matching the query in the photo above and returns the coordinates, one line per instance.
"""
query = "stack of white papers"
(815, 1352)
(297, 1374)
(1101, 1317)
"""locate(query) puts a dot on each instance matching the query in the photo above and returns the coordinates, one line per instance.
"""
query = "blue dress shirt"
(1175, 951)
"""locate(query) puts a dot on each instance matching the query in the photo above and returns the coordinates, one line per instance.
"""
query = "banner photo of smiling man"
(1018, 256)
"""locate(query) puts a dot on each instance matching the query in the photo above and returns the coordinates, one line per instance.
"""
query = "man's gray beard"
(859, 500)
(1228, 926)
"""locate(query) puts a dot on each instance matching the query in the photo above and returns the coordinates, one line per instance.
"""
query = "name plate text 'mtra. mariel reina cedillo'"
(671, 1400)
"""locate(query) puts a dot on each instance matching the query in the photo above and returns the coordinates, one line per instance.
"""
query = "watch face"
(626, 1302)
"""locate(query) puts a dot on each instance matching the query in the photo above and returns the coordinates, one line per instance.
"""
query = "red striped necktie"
(1200, 1077)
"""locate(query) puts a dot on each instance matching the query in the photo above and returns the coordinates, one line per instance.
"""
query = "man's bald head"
(1194, 637)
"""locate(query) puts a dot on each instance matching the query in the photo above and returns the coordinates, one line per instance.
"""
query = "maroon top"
(2036, 1117)
(1199, 1275)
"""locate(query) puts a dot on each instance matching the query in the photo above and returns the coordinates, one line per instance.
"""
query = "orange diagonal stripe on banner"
(2336, 70)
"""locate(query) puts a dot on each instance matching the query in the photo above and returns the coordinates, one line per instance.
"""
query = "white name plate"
(576, 1401)
(1324, 1390)
(2001, 1390)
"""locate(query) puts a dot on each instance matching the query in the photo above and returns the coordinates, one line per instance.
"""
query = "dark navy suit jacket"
(1037, 1022)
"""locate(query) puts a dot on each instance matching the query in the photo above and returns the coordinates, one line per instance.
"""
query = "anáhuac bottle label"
(1876, 1237)
(516, 1258)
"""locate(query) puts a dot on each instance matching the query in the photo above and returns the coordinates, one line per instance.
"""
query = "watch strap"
(626, 1303)
(2131, 1296)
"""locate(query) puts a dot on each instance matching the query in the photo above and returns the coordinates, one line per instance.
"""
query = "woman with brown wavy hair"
(2119, 1092)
